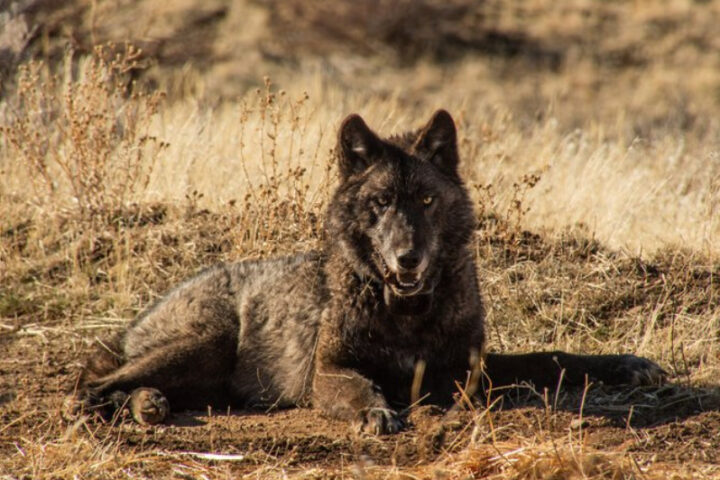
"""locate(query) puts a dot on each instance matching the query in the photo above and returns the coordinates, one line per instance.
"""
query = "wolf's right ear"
(358, 146)
(437, 142)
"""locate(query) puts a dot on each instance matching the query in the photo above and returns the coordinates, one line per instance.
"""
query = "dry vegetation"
(590, 142)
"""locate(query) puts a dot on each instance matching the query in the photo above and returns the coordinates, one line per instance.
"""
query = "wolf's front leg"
(345, 394)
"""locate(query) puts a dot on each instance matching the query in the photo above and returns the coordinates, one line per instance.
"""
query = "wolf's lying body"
(344, 329)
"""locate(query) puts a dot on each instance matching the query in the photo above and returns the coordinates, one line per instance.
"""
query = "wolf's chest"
(395, 360)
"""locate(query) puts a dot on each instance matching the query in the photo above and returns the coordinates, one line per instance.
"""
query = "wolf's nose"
(409, 259)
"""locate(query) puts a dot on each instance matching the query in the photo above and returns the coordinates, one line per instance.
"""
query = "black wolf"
(343, 329)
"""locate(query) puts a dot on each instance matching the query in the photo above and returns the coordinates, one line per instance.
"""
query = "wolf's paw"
(148, 406)
(380, 421)
(638, 371)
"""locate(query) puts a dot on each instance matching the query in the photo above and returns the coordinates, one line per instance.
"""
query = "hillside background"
(615, 103)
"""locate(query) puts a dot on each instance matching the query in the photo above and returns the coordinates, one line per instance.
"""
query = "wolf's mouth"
(403, 284)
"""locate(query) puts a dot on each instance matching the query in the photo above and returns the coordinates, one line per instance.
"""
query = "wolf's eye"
(382, 201)
(427, 200)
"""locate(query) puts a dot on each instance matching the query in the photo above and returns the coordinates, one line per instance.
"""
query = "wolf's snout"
(409, 259)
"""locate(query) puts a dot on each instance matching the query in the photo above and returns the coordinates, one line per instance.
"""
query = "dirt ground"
(672, 425)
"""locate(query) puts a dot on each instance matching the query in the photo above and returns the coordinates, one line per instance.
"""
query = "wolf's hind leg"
(189, 373)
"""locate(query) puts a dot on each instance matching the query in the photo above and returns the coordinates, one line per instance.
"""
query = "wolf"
(347, 328)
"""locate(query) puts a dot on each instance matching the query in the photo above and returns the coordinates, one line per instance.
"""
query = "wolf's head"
(401, 215)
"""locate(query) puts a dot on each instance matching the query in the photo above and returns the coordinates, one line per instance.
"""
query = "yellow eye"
(382, 201)
(427, 200)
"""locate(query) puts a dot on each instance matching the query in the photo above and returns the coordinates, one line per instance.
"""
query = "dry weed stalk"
(508, 221)
(83, 132)
(280, 203)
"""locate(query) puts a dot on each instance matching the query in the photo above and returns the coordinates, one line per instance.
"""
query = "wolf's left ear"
(358, 146)
(437, 143)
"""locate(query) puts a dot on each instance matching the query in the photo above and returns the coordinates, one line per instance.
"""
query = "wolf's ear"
(437, 143)
(358, 146)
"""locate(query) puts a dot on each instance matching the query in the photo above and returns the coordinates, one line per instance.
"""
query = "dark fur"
(345, 329)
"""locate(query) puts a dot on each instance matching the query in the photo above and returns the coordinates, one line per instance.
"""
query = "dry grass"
(598, 133)
(81, 139)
